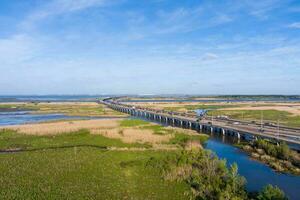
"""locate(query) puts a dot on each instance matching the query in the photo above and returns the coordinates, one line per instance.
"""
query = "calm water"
(52, 98)
(24, 117)
(256, 173)
(62, 98)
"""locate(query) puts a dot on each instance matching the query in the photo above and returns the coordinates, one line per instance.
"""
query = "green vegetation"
(259, 97)
(279, 157)
(182, 139)
(208, 107)
(200, 106)
(208, 177)
(133, 122)
(80, 165)
(285, 118)
(271, 193)
(73, 109)
(17, 107)
(10, 140)
(84, 173)
(281, 151)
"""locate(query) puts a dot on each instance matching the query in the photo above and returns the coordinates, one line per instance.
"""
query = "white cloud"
(58, 7)
(294, 25)
(16, 49)
(209, 56)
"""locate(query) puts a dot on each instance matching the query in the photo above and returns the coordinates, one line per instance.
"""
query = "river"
(256, 173)
(26, 117)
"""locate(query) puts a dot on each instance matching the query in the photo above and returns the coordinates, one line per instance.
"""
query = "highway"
(280, 133)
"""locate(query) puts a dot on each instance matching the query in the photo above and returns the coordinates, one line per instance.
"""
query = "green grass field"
(84, 173)
(133, 123)
(77, 166)
(285, 118)
(12, 140)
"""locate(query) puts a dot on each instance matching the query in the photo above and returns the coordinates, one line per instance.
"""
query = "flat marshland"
(90, 109)
(110, 158)
(90, 159)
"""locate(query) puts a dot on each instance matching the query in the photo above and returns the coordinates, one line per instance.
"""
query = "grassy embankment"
(279, 157)
(72, 109)
(82, 165)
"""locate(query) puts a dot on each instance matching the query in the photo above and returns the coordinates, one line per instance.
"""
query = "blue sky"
(149, 47)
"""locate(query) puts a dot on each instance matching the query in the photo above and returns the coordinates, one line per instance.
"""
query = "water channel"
(256, 173)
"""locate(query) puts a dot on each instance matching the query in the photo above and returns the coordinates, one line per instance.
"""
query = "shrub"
(271, 193)
(208, 177)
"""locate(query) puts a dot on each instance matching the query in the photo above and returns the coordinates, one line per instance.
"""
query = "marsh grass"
(182, 139)
(11, 140)
(133, 123)
(72, 109)
(80, 165)
(84, 173)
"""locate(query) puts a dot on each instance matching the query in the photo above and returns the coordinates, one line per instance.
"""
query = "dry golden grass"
(106, 127)
(133, 135)
(53, 128)
(183, 131)
(109, 128)
(193, 145)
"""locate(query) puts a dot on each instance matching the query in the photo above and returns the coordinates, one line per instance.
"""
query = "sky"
(149, 47)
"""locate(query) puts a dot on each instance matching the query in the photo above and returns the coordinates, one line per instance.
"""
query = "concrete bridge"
(189, 121)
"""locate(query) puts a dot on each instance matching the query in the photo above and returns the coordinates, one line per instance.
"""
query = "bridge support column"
(238, 135)
(223, 131)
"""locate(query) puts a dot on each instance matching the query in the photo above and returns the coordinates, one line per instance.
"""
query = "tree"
(271, 193)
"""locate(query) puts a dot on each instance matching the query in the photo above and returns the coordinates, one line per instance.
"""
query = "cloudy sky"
(149, 47)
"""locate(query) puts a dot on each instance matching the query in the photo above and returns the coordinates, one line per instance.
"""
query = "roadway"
(291, 135)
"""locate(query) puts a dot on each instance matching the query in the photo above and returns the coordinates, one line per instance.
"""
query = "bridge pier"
(223, 131)
(238, 135)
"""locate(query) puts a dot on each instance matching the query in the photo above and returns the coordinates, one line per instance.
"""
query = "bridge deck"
(291, 135)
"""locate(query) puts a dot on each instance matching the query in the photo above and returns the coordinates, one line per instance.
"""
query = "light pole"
(261, 121)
